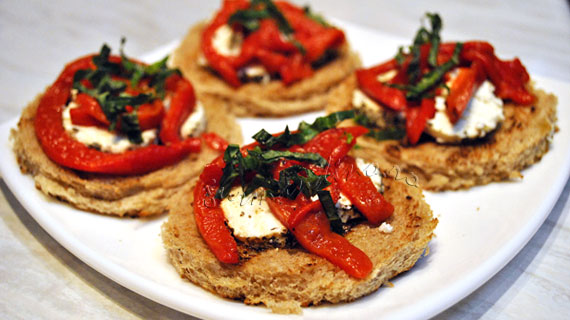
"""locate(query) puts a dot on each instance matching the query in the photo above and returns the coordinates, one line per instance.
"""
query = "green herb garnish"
(264, 9)
(111, 95)
(392, 133)
(330, 210)
(305, 131)
(419, 85)
(259, 161)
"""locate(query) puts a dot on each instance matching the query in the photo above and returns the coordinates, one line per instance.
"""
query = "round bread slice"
(259, 99)
(521, 140)
(139, 195)
(287, 279)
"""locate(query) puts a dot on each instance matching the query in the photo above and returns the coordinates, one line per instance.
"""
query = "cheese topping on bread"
(227, 42)
(251, 220)
(249, 216)
(112, 142)
(483, 114)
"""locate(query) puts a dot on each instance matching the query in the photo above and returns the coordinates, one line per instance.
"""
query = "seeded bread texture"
(258, 99)
(140, 195)
(287, 279)
(521, 140)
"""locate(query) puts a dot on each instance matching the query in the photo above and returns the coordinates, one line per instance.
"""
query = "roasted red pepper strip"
(361, 192)
(67, 152)
(334, 144)
(215, 142)
(315, 235)
(182, 104)
(462, 90)
(210, 217)
(391, 97)
(416, 119)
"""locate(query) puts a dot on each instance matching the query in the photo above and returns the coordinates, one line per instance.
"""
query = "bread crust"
(139, 195)
(287, 279)
(521, 140)
(257, 99)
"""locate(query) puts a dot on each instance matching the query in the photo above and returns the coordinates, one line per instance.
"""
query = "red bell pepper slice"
(361, 192)
(462, 90)
(215, 142)
(315, 235)
(334, 144)
(182, 104)
(60, 147)
(210, 217)
(416, 119)
(393, 98)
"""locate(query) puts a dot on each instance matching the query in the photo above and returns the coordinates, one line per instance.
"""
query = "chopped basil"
(263, 9)
(419, 85)
(305, 131)
(330, 210)
(257, 160)
(392, 133)
(111, 95)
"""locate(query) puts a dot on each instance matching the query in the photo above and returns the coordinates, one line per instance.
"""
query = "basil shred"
(258, 10)
(392, 133)
(420, 86)
(111, 95)
(293, 180)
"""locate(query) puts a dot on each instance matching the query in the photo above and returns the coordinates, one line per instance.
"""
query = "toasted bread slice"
(140, 195)
(287, 279)
(258, 99)
(521, 140)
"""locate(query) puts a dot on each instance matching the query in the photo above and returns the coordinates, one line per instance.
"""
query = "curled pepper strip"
(60, 147)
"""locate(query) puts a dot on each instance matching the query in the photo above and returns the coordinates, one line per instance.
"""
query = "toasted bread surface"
(139, 195)
(521, 140)
(263, 99)
(287, 279)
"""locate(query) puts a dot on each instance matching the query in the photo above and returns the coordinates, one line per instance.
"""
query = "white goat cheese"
(483, 114)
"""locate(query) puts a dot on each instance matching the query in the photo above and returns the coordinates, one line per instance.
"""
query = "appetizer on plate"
(294, 220)
(452, 114)
(115, 136)
(265, 58)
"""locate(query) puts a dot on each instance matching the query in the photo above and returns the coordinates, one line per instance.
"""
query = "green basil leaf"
(274, 155)
(330, 210)
(130, 126)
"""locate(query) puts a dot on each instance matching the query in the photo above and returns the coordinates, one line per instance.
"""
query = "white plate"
(480, 230)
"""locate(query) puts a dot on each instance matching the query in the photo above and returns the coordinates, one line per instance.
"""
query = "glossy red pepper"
(417, 117)
(314, 234)
(215, 142)
(210, 217)
(368, 82)
(60, 147)
(268, 46)
(462, 90)
(182, 104)
(361, 192)
(334, 144)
